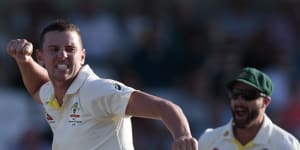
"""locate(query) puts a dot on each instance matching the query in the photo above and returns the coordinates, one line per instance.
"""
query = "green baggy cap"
(254, 78)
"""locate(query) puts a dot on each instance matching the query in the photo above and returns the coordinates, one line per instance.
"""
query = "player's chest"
(221, 145)
(70, 114)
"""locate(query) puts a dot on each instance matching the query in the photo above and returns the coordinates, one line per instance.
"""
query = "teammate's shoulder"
(211, 134)
(282, 136)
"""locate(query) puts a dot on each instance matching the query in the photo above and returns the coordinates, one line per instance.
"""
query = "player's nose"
(62, 53)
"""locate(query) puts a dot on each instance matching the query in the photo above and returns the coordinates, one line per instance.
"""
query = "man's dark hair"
(59, 25)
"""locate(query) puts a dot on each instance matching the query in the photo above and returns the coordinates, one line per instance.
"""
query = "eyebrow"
(58, 46)
(53, 46)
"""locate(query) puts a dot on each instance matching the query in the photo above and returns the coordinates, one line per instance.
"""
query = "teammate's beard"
(253, 114)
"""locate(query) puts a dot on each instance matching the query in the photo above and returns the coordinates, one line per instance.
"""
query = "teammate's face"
(62, 55)
(245, 111)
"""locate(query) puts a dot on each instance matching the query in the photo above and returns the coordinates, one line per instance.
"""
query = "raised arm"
(149, 106)
(33, 74)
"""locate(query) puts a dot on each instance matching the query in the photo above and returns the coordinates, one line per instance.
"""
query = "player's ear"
(267, 101)
(39, 57)
(83, 54)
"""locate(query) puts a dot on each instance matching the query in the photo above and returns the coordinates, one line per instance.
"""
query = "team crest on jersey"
(75, 117)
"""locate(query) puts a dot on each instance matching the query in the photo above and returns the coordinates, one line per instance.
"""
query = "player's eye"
(248, 95)
(53, 49)
(70, 49)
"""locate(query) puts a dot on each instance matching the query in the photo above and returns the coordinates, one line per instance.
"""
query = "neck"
(60, 91)
(245, 135)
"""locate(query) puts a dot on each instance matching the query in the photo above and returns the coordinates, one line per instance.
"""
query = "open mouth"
(241, 113)
(62, 66)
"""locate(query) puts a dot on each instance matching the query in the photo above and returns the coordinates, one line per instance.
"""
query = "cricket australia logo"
(75, 117)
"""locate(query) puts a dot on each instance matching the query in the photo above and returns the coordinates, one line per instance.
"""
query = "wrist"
(24, 60)
(182, 137)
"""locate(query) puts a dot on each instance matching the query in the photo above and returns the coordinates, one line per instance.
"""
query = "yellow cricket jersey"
(92, 116)
(269, 137)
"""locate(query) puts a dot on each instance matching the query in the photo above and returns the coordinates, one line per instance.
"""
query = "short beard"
(245, 123)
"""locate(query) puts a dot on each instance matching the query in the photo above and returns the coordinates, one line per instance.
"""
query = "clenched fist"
(20, 49)
(185, 143)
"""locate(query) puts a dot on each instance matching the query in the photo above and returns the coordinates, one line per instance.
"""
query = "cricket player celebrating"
(250, 128)
(84, 111)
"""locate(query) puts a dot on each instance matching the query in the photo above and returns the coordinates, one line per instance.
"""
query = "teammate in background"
(84, 111)
(250, 128)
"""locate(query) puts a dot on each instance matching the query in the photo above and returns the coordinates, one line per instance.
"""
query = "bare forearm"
(149, 106)
(175, 120)
(33, 75)
(145, 105)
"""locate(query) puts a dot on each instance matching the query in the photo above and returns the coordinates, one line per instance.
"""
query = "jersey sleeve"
(107, 98)
(45, 92)
(284, 140)
(296, 144)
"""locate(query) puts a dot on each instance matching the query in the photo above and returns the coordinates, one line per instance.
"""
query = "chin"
(243, 124)
(240, 124)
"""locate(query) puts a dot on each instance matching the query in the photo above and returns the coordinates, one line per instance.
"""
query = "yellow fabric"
(242, 147)
(54, 103)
